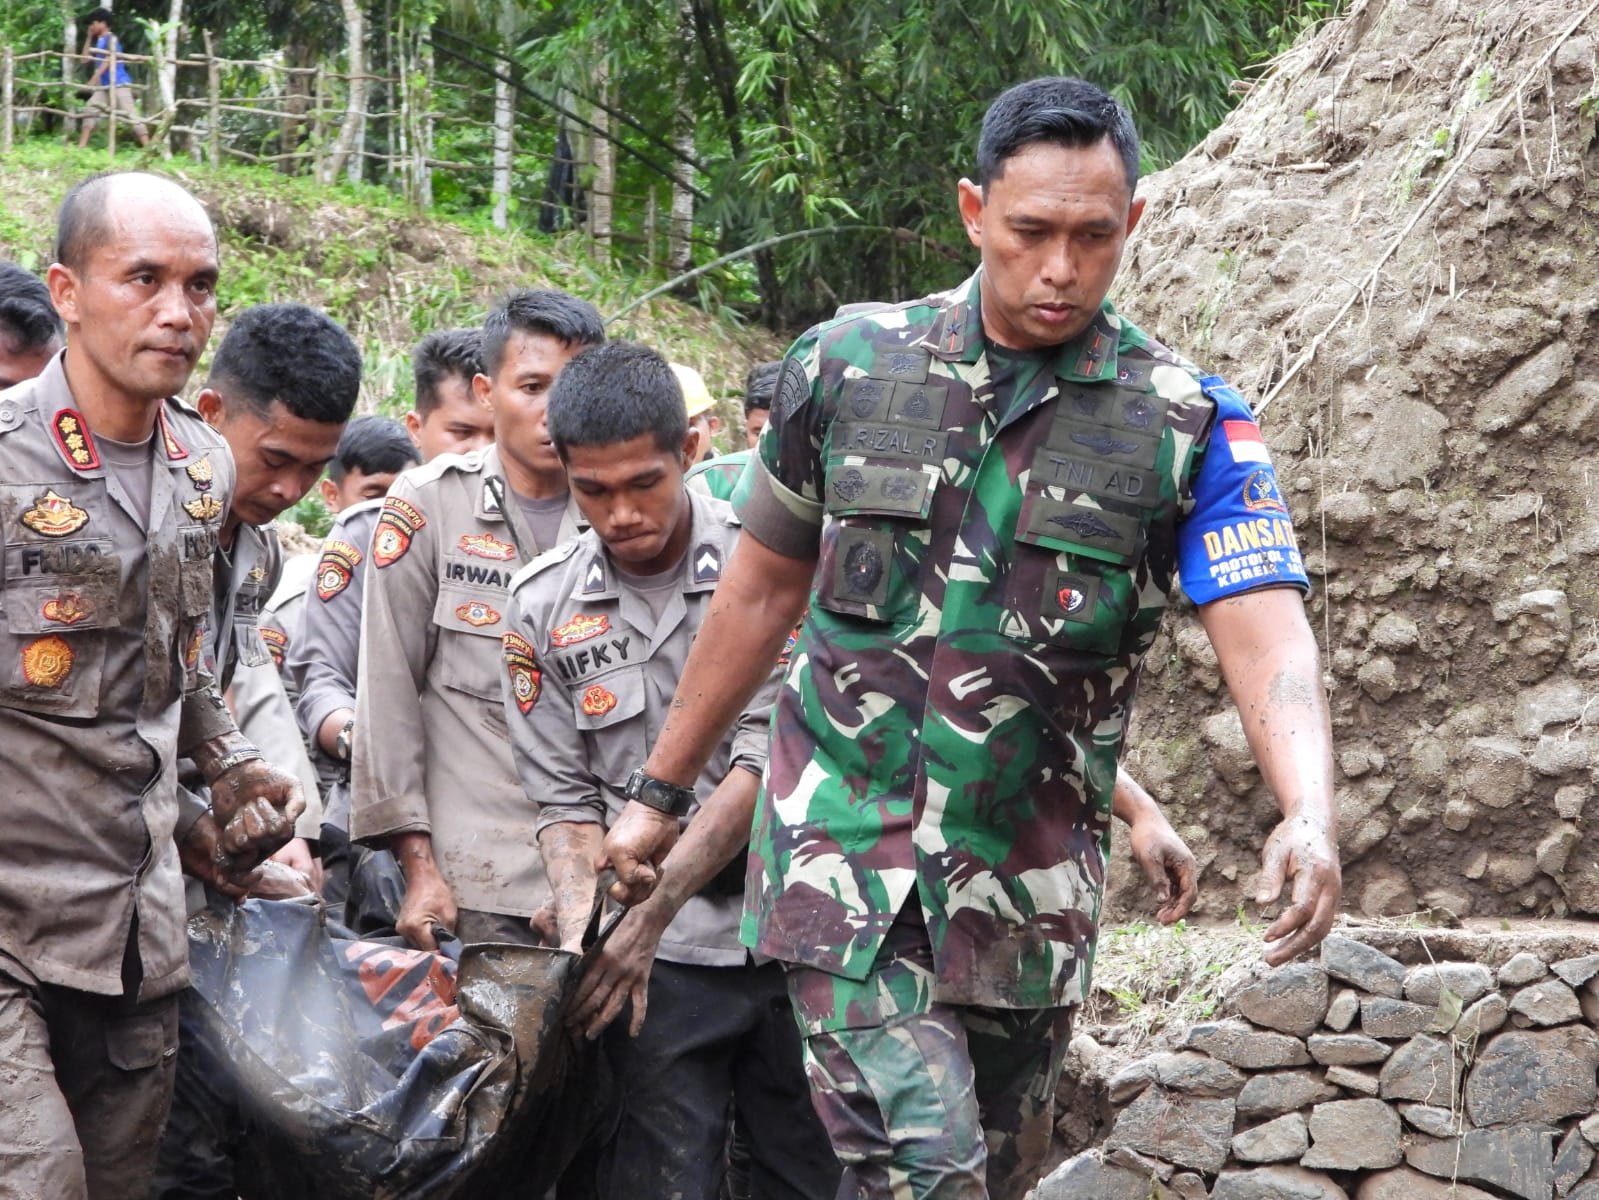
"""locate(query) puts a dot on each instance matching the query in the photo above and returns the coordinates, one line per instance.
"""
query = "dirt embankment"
(1390, 247)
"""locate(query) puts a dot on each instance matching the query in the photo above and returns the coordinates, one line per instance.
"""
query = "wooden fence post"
(8, 65)
(213, 93)
(318, 97)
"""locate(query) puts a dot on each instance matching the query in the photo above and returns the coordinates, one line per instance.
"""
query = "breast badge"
(579, 629)
(200, 474)
(399, 522)
(486, 545)
(477, 613)
(597, 701)
(55, 516)
(526, 681)
(203, 508)
(863, 568)
(46, 662)
(65, 609)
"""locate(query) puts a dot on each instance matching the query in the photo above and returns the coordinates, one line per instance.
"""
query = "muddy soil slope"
(1391, 248)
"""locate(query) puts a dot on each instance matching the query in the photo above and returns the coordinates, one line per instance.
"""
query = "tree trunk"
(680, 228)
(300, 58)
(355, 106)
(167, 77)
(422, 109)
(604, 185)
(504, 124)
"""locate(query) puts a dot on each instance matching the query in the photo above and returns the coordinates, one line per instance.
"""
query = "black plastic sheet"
(349, 1068)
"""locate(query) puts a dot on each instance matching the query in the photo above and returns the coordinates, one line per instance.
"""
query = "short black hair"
(99, 14)
(615, 393)
(82, 221)
(441, 355)
(373, 445)
(291, 354)
(28, 321)
(759, 385)
(539, 310)
(1056, 109)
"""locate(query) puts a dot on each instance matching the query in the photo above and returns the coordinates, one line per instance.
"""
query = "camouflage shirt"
(719, 476)
(998, 534)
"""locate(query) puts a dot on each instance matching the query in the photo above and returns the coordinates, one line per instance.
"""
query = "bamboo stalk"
(213, 91)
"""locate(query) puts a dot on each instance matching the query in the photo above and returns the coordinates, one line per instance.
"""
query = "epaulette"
(549, 558)
(356, 509)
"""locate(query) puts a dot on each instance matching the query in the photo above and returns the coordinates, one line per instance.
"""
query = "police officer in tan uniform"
(432, 774)
(598, 631)
(111, 499)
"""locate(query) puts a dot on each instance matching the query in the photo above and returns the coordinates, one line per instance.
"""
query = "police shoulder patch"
(399, 521)
(336, 568)
(523, 669)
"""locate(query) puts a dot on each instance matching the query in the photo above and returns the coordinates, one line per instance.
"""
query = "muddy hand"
(635, 848)
(1304, 850)
(1170, 867)
(258, 805)
(200, 851)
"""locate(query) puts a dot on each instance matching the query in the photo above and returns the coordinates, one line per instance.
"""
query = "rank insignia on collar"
(707, 564)
(579, 629)
(597, 701)
(486, 545)
(594, 577)
(72, 435)
(203, 508)
(46, 662)
(477, 613)
(335, 568)
(55, 516)
(65, 609)
(200, 474)
(174, 448)
(526, 679)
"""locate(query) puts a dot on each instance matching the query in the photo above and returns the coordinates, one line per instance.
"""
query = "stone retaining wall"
(1370, 1077)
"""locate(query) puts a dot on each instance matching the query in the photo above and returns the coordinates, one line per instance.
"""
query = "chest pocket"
(62, 591)
(874, 538)
(468, 657)
(608, 711)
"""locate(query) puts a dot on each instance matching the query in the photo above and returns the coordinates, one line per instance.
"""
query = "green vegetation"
(847, 121)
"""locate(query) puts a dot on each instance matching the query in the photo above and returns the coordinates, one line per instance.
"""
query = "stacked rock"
(1361, 1077)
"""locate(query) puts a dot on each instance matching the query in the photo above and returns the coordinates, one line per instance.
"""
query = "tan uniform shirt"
(590, 674)
(430, 751)
(102, 624)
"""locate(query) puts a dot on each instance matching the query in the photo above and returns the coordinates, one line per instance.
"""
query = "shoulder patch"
(397, 524)
(523, 669)
(336, 568)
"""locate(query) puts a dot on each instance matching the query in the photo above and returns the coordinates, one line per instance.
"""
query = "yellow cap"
(696, 396)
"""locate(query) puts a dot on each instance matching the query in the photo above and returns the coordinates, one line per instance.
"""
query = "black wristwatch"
(341, 743)
(664, 797)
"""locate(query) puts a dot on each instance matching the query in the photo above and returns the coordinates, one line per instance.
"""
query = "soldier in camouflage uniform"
(987, 497)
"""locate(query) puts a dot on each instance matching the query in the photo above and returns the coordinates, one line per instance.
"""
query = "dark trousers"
(85, 1082)
(714, 1033)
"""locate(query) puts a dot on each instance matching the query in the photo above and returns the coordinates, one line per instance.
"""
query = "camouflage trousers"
(922, 1100)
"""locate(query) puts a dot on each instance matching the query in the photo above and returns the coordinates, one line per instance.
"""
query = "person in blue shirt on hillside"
(103, 50)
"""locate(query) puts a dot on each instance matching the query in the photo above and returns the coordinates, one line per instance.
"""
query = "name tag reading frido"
(1113, 481)
(1076, 526)
(889, 441)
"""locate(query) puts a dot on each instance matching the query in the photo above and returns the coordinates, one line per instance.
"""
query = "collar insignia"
(55, 516)
(174, 449)
(707, 564)
(579, 629)
(72, 435)
(203, 508)
(594, 577)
